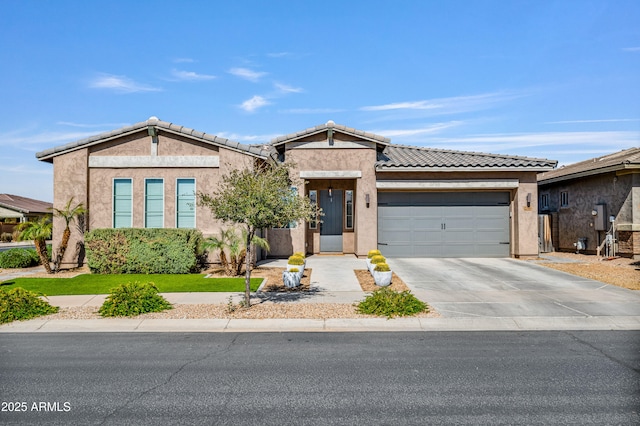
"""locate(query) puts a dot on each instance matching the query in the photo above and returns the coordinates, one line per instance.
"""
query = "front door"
(331, 226)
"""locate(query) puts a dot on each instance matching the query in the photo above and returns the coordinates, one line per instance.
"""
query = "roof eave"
(383, 168)
(587, 173)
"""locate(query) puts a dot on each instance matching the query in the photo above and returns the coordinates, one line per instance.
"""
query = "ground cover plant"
(133, 298)
(20, 304)
(389, 303)
(103, 283)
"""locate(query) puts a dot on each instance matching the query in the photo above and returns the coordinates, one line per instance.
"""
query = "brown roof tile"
(625, 159)
(24, 204)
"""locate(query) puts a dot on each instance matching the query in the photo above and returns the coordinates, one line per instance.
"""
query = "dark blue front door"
(331, 226)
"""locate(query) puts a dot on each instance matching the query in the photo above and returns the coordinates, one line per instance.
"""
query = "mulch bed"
(368, 284)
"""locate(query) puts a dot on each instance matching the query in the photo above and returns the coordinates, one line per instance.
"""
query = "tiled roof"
(410, 157)
(257, 151)
(626, 159)
(24, 204)
(327, 126)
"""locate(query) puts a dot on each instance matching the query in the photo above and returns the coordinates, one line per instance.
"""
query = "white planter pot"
(382, 279)
(369, 265)
(298, 267)
(291, 279)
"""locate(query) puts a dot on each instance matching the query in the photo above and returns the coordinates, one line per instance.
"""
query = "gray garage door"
(443, 224)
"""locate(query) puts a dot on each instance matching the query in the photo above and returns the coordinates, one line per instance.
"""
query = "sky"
(546, 79)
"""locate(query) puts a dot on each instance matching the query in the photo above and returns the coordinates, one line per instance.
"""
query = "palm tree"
(68, 214)
(230, 241)
(38, 232)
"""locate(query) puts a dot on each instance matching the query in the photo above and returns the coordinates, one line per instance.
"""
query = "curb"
(133, 325)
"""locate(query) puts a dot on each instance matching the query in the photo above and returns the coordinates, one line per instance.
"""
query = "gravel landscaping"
(619, 271)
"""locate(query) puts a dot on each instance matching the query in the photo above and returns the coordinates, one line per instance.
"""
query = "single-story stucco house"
(404, 200)
(15, 209)
(583, 197)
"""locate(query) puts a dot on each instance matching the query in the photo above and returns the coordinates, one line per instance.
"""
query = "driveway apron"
(507, 288)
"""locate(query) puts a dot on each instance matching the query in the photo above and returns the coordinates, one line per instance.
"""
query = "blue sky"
(551, 79)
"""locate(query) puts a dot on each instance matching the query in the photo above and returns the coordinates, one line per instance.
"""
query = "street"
(321, 378)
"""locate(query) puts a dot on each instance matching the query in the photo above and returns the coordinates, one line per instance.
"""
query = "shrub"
(293, 270)
(133, 299)
(143, 251)
(382, 267)
(6, 237)
(378, 259)
(295, 260)
(389, 303)
(20, 304)
(18, 258)
(373, 253)
(299, 254)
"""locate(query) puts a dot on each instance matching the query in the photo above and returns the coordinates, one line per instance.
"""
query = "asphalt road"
(321, 378)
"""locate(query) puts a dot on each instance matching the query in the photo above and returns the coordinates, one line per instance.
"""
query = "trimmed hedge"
(19, 258)
(143, 251)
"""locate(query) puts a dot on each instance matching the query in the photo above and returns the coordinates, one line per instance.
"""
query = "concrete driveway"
(507, 288)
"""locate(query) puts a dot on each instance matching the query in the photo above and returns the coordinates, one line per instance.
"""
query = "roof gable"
(403, 157)
(330, 126)
(152, 124)
(622, 160)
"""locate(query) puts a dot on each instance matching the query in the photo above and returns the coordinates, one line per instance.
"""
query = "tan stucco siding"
(169, 144)
(138, 143)
(70, 180)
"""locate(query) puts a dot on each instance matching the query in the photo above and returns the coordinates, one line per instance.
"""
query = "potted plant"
(375, 260)
(382, 274)
(296, 262)
(291, 277)
(370, 254)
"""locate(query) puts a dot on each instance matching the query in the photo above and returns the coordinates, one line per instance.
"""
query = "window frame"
(349, 203)
(113, 202)
(178, 202)
(564, 199)
(544, 201)
(146, 200)
(313, 223)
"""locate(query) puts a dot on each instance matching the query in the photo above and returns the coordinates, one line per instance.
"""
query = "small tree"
(68, 214)
(38, 232)
(230, 241)
(257, 199)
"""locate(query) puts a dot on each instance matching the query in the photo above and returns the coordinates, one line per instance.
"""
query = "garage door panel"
(444, 224)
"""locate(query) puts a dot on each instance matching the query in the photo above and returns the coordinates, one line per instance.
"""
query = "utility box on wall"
(601, 222)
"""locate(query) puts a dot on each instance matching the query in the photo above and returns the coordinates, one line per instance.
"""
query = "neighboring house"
(583, 197)
(15, 209)
(406, 201)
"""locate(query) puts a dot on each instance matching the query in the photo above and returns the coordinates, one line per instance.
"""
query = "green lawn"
(102, 284)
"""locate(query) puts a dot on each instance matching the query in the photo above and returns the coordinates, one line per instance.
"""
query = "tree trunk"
(41, 249)
(225, 263)
(241, 259)
(62, 249)
(247, 280)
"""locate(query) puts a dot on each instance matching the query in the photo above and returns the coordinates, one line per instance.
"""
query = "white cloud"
(84, 125)
(191, 76)
(247, 138)
(409, 133)
(311, 110)
(18, 138)
(120, 84)
(247, 74)
(607, 120)
(545, 143)
(250, 105)
(450, 105)
(278, 54)
(288, 89)
(183, 60)
(631, 49)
